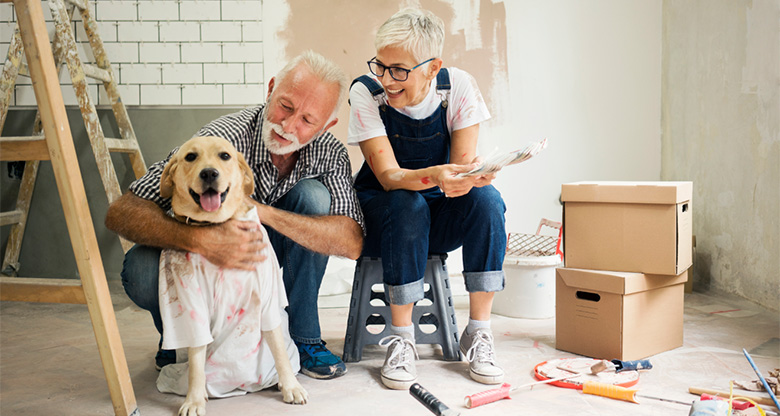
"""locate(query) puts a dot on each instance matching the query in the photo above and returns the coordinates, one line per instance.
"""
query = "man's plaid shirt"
(324, 159)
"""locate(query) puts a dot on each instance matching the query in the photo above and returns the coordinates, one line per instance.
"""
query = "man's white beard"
(272, 145)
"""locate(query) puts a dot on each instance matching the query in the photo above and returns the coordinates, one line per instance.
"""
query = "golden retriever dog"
(230, 322)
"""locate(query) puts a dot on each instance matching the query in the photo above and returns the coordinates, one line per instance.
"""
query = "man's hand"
(232, 245)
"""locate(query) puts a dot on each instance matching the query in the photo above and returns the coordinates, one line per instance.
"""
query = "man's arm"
(234, 244)
(336, 235)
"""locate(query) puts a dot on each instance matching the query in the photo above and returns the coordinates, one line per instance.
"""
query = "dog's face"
(207, 179)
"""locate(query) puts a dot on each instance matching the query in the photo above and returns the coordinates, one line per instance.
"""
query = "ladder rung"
(95, 72)
(10, 217)
(121, 145)
(33, 289)
(23, 148)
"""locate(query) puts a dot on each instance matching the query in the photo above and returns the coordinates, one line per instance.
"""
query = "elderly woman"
(417, 125)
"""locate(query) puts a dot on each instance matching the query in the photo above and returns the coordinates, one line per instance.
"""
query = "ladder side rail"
(64, 32)
(112, 90)
(74, 203)
(13, 62)
(13, 248)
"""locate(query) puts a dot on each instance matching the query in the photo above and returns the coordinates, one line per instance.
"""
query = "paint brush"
(760, 377)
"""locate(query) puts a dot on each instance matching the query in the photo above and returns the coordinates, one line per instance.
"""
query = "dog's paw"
(193, 407)
(294, 393)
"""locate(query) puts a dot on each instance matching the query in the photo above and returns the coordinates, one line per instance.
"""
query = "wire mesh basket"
(534, 245)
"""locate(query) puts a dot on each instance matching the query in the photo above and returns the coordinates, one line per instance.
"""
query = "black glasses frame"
(378, 69)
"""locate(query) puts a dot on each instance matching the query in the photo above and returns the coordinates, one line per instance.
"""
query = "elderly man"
(303, 193)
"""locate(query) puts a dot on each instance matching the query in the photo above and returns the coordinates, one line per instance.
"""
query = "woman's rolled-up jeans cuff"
(405, 294)
(492, 281)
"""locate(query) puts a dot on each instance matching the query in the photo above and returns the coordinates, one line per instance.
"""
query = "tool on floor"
(760, 377)
(725, 394)
(621, 393)
(563, 366)
(631, 365)
(708, 408)
(430, 401)
(503, 392)
(737, 404)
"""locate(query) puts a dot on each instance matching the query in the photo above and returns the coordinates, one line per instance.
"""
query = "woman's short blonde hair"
(419, 32)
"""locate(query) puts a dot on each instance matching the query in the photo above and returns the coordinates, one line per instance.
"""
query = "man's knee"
(140, 275)
(308, 197)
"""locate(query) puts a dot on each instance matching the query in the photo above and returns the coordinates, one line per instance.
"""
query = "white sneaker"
(479, 352)
(398, 371)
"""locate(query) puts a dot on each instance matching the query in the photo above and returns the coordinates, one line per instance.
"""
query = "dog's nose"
(209, 175)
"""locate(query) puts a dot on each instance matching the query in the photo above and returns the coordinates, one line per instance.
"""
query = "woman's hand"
(483, 180)
(450, 183)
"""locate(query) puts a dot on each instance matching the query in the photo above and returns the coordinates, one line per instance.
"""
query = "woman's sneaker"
(479, 352)
(398, 371)
(318, 362)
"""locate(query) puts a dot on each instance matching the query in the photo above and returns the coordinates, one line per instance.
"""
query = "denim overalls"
(402, 226)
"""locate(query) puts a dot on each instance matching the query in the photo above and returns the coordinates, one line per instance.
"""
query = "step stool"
(440, 312)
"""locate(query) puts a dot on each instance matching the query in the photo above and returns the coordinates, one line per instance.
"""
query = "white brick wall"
(224, 73)
(161, 94)
(201, 52)
(182, 73)
(220, 31)
(167, 52)
(201, 94)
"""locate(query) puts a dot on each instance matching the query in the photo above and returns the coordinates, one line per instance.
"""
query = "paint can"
(529, 291)
(709, 408)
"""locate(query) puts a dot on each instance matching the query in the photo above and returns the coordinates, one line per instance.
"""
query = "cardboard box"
(643, 227)
(618, 315)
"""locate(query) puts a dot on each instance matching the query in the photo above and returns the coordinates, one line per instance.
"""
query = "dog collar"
(189, 221)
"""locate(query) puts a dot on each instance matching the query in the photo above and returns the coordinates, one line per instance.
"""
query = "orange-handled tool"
(621, 393)
(609, 390)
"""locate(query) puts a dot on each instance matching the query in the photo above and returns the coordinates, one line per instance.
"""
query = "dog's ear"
(166, 180)
(248, 175)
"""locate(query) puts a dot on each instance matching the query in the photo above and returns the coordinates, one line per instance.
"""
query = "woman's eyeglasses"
(397, 73)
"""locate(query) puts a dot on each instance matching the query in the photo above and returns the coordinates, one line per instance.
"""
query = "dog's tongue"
(210, 201)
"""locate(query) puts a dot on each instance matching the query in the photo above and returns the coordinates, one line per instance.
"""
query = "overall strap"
(443, 80)
(373, 87)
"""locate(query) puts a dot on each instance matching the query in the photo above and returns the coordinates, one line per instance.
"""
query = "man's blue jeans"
(302, 269)
(402, 227)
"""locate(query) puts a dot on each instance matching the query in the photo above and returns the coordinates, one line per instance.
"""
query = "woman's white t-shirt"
(466, 107)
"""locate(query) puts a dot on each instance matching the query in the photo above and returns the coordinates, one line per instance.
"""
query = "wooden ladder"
(64, 50)
(56, 145)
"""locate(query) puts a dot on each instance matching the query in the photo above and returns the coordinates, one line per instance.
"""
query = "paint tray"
(536, 245)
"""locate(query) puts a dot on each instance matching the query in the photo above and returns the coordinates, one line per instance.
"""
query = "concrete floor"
(49, 365)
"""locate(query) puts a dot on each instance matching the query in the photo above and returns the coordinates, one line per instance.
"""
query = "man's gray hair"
(419, 32)
(324, 69)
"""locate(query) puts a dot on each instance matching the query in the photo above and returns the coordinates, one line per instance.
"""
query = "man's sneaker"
(398, 371)
(478, 350)
(318, 362)
(163, 358)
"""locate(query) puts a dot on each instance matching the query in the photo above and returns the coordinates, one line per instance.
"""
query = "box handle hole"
(685, 208)
(589, 296)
